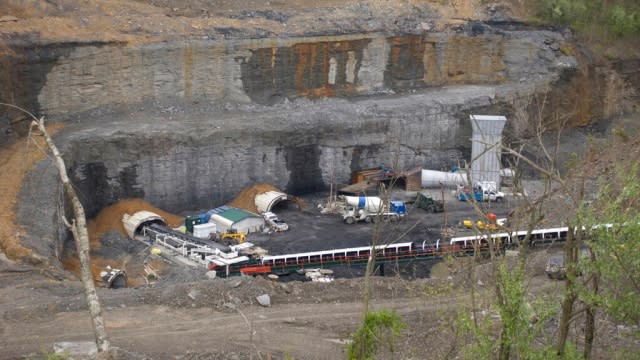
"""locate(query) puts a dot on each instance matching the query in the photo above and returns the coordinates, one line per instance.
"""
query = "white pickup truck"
(274, 222)
(492, 195)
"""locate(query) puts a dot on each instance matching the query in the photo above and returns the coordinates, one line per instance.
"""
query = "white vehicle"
(492, 195)
(489, 191)
(274, 222)
(371, 209)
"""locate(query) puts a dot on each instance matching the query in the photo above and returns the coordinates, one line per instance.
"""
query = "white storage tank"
(486, 141)
(434, 178)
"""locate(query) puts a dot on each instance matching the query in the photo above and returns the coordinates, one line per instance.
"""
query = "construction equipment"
(426, 202)
(113, 278)
(479, 224)
(232, 237)
(482, 191)
(274, 222)
(555, 267)
(371, 209)
(490, 223)
(489, 191)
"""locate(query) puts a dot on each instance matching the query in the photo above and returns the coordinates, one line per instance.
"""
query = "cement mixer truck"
(371, 209)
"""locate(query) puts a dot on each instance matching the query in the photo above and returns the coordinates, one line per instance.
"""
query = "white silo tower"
(486, 141)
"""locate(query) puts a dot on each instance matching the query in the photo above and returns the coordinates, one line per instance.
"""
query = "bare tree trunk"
(565, 320)
(570, 255)
(78, 227)
(371, 263)
(366, 295)
(575, 236)
(589, 331)
(590, 322)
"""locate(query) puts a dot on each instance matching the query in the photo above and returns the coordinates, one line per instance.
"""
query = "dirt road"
(315, 331)
(305, 321)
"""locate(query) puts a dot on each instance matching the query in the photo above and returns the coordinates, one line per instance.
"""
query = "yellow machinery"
(490, 223)
(232, 237)
(479, 224)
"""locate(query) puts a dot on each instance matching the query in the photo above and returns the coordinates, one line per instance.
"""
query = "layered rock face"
(187, 125)
(68, 79)
(203, 158)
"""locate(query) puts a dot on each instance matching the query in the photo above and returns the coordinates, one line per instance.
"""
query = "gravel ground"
(309, 230)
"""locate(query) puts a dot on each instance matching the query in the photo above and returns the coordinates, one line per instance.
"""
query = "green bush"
(568, 11)
(623, 21)
(55, 356)
(379, 328)
(619, 18)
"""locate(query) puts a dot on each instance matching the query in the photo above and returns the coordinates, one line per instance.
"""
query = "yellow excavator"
(232, 237)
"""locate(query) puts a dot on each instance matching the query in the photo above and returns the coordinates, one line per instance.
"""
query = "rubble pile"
(109, 242)
(246, 199)
(110, 218)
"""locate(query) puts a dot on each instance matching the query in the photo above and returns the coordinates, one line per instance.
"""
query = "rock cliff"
(186, 120)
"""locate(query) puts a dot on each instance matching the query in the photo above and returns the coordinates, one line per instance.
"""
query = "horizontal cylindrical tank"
(434, 178)
(369, 203)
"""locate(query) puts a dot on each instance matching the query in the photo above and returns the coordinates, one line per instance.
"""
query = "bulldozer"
(232, 237)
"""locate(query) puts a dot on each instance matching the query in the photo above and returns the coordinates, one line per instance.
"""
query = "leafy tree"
(608, 256)
(616, 247)
(624, 21)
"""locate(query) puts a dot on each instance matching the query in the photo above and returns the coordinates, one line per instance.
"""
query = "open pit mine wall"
(68, 77)
(180, 169)
(298, 146)
(177, 169)
(247, 71)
